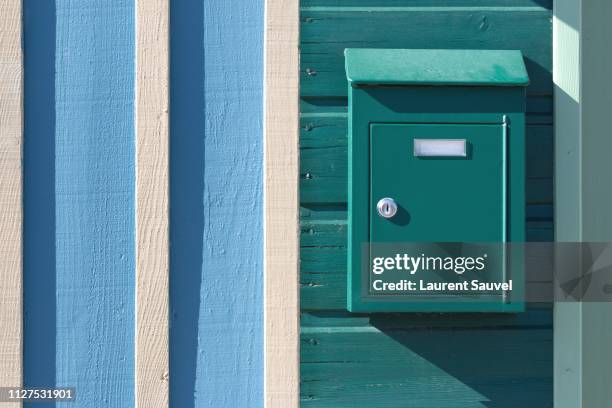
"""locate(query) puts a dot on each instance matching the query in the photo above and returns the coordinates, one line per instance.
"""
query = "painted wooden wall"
(79, 201)
(216, 71)
(79, 198)
(415, 360)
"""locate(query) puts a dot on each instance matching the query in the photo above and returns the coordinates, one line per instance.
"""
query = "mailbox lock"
(387, 207)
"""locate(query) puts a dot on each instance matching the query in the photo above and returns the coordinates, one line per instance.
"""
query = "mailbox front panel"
(447, 185)
(440, 197)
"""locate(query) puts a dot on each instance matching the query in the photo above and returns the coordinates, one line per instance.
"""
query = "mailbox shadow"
(187, 129)
(39, 270)
(544, 3)
(402, 217)
(493, 365)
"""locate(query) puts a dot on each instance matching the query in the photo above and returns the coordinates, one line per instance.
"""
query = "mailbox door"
(442, 196)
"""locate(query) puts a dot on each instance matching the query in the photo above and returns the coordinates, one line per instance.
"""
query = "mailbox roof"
(369, 66)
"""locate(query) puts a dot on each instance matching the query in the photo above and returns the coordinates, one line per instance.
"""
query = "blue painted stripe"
(79, 210)
(216, 346)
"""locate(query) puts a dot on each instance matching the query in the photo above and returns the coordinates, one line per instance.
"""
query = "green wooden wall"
(415, 360)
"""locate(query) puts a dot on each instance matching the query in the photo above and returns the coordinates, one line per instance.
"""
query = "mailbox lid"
(370, 66)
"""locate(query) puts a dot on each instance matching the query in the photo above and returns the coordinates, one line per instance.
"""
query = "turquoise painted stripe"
(216, 333)
(416, 9)
(79, 239)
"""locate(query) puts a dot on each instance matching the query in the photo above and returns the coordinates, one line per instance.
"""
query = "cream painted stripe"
(152, 251)
(11, 138)
(281, 230)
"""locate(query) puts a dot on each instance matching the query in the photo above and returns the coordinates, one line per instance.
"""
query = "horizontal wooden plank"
(432, 3)
(537, 105)
(536, 214)
(393, 394)
(439, 368)
(333, 233)
(330, 320)
(539, 217)
(327, 31)
(324, 155)
(346, 344)
(331, 188)
(323, 212)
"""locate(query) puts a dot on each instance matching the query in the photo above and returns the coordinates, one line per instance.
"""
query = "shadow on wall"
(492, 367)
(39, 195)
(187, 128)
(475, 360)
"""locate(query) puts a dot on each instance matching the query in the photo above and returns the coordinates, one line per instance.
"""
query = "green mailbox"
(436, 180)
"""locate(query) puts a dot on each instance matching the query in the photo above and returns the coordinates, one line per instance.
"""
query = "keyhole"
(386, 207)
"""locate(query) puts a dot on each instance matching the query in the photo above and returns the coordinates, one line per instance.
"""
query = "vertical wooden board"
(583, 95)
(596, 102)
(39, 238)
(596, 194)
(281, 197)
(94, 198)
(216, 339)
(152, 251)
(566, 77)
(11, 138)
(186, 188)
(568, 173)
(230, 324)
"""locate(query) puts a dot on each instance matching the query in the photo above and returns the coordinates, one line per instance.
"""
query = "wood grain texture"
(596, 195)
(216, 211)
(568, 380)
(350, 366)
(152, 251)
(93, 223)
(583, 98)
(281, 230)
(11, 138)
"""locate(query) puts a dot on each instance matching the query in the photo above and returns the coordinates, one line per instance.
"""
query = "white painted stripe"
(11, 219)
(281, 201)
(567, 345)
(152, 160)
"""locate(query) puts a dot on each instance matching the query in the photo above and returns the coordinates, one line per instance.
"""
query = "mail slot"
(439, 147)
(436, 178)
